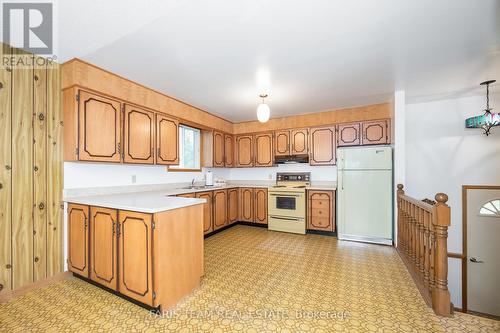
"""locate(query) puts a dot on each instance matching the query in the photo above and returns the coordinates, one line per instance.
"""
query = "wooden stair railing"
(422, 245)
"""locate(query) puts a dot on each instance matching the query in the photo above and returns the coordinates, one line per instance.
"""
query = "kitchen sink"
(196, 187)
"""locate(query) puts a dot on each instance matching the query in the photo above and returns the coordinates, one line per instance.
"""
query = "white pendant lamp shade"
(263, 110)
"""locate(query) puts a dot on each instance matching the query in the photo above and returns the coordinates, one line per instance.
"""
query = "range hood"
(292, 159)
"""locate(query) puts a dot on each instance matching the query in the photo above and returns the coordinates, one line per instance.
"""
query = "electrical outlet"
(134, 179)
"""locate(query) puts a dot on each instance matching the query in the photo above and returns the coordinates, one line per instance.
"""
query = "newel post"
(399, 222)
(442, 218)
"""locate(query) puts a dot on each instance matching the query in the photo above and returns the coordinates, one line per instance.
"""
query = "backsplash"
(318, 173)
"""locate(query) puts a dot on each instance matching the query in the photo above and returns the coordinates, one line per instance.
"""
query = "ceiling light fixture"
(488, 119)
(263, 110)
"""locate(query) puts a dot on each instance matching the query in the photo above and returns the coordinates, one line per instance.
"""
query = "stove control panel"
(293, 177)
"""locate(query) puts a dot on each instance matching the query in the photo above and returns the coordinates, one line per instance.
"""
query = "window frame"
(174, 168)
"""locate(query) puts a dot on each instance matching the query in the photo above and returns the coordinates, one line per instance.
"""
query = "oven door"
(296, 225)
(288, 204)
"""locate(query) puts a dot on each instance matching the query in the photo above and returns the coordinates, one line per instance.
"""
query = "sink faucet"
(192, 183)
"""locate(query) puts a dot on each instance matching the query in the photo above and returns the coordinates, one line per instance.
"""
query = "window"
(491, 208)
(189, 148)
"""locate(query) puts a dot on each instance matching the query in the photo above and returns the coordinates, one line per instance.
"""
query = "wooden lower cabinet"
(220, 208)
(103, 251)
(78, 239)
(207, 211)
(187, 195)
(321, 210)
(246, 204)
(233, 205)
(260, 197)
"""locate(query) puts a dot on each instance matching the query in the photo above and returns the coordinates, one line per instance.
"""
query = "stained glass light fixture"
(487, 120)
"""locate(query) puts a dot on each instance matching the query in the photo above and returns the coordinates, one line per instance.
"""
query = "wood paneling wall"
(31, 213)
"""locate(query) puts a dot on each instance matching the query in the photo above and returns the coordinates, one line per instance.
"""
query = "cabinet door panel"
(139, 135)
(260, 205)
(282, 146)
(264, 149)
(244, 151)
(247, 205)
(78, 260)
(220, 209)
(103, 246)
(349, 135)
(323, 146)
(219, 144)
(299, 140)
(229, 150)
(167, 140)
(207, 211)
(375, 132)
(232, 205)
(99, 128)
(135, 262)
(321, 210)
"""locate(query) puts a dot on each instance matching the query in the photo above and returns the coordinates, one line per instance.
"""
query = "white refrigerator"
(364, 194)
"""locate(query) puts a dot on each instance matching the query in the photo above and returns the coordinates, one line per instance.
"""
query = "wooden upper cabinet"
(375, 132)
(135, 256)
(103, 262)
(246, 204)
(323, 146)
(228, 150)
(219, 143)
(282, 143)
(78, 260)
(232, 205)
(321, 210)
(260, 203)
(99, 128)
(264, 149)
(349, 134)
(299, 142)
(207, 211)
(220, 209)
(139, 135)
(244, 151)
(167, 140)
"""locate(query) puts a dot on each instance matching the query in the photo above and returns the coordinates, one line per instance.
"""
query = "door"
(99, 128)
(246, 204)
(229, 151)
(167, 140)
(220, 209)
(323, 146)
(282, 146)
(232, 205)
(375, 132)
(348, 135)
(287, 203)
(207, 211)
(139, 135)
(103, 246)
(263, 149)
(260, 197)
(244, 151)
(219, 143)
(483, 247)
(299, 140)
(134, 256)
(78, 237)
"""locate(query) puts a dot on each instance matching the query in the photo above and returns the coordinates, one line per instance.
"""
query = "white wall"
(441, 156)
(318, 173)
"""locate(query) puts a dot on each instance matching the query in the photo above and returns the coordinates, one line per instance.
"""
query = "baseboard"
(8, 295)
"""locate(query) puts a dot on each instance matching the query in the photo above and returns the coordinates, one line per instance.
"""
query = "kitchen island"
(147, 247)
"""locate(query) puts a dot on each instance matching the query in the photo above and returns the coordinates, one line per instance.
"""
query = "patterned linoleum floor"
(257, 281)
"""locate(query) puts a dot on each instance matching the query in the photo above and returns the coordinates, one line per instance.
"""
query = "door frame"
(464, 240)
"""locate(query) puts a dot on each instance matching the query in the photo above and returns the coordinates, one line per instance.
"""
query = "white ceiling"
(307, 55)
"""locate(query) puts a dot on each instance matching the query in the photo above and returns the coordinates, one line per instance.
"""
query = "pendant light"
(487, 120)
(263, 110)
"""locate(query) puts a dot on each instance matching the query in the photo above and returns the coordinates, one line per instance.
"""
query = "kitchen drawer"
(320, 212)
(319, 203)
(320, 223)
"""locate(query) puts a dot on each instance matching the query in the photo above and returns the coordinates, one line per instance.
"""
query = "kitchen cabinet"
(263, 149)
(220, 208)
(244, 151)
(135, 256)
(103, 256)
(321, 210)
(260, 203)
(299, 141)
(78, 239)
(218, 149)
(228, 151)
(139, 135)
(323, 146)
(349, 134)
(376, 132)
(99, 126)
(207, 211)
(282, 143)
(187, 195)
(233, 205)
(167, 140)
(246, 204)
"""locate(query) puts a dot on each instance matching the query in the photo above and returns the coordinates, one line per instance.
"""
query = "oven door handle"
(286, 195)
(286, 218)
